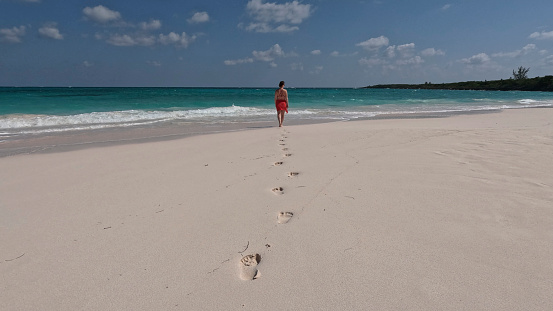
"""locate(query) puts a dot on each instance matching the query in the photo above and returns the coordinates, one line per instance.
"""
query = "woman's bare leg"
(280, 115)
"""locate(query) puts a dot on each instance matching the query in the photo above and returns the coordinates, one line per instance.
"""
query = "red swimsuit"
(281, 104)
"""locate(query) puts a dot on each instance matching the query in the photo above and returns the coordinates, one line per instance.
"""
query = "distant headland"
(519, 82)
(543, 84)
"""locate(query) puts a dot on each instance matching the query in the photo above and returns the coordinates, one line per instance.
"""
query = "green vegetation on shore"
(544, 84)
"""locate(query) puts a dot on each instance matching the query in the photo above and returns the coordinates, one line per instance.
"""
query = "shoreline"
(75, 140)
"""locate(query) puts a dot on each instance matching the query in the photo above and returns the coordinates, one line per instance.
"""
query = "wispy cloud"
(50, 30)
(338, 54)
(154, 63)
(264, 56)
(151, 25)
(128, 40)
(270, 54)
(135, 34)
(172, 38)
(199, 17)
(374, 43)
(524, 51)
(296, 67)
(432, 52)
(238, 61)
(544, 35)
(393, 57)
(183, 40)
(12, 35)
(478, 59)
(273, 17)
(100, 14)
(316, 70)
(446, 7)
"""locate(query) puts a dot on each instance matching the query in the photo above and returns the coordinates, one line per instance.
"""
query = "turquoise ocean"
(39, 111)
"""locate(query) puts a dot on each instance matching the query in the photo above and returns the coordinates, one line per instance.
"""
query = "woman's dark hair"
(281, 84)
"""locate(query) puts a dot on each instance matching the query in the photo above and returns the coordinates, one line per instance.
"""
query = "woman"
(281, 102)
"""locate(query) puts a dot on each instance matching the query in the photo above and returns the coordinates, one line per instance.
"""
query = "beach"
(450, 213)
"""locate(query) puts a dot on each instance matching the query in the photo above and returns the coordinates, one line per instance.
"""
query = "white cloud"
(335, 54)
(296, 66)
(290, 12)
(411, 61)
(266, 28)
(101, 14)
(390, 51)
(127, 40)
(285, 28)
(316, 70)
(145, 40)
(478, 59)
(238, 61)
(528, 48)
(544, 35)
(371, 62)
(12, 35)
(270, 54)
(525, 50)
(406, 50)
(405, 47)
(141, 39)
(154, 63)
(50, 30)
(180, 40)
(446, 7)
(374, 43)
(273, 17)
(549, 60)
(151, 25)
(121, 40)
(432, 52)
(316, 52)
(264, 56)
(199, 17)
(87, 64)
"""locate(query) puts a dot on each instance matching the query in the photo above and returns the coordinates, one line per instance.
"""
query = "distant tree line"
(519, 82)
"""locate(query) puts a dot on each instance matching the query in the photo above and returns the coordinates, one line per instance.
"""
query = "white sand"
(426, 214)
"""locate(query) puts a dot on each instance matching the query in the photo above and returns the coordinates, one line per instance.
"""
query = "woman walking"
(281, 102)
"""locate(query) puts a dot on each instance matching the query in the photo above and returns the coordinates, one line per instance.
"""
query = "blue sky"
(256, 43)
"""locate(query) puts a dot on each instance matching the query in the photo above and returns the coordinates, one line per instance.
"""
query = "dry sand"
(425, 214)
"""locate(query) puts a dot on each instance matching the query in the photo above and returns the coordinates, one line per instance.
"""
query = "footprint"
(288, 155)
(278, 190)
(284, 149)
(282, 144)
(248, 267)
(292, 174)
(284, 217)
(278, 163)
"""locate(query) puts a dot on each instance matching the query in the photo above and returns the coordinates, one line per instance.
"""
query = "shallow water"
(35, 112)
